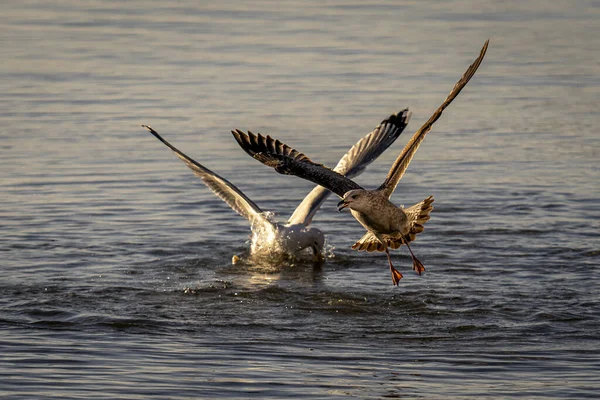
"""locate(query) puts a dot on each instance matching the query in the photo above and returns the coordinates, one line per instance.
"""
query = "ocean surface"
(115, 260)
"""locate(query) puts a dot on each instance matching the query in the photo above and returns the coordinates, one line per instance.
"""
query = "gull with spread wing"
(387, 225)
(272, 238)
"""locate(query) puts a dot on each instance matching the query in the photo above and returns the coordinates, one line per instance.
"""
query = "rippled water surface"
(117, 279)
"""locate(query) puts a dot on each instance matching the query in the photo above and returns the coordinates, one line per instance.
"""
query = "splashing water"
(328, 250)
(264, 239)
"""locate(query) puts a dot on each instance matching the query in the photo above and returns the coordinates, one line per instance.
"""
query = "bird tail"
(417, 215)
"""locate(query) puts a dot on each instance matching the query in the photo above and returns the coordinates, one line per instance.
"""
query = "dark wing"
(401, 163)
(234, 197)
(288, 161)
(354, 162)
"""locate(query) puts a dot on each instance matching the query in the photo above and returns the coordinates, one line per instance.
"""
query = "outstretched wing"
(354, 162)
(367, 149)
(288, 161)
(230, 194)
(401, 163)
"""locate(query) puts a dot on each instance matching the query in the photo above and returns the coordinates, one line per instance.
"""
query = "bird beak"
(341, 205)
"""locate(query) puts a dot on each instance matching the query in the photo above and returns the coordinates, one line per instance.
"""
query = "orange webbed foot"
(418, 266)
(396, 276)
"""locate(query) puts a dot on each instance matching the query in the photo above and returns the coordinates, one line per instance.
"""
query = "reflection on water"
(117, 262)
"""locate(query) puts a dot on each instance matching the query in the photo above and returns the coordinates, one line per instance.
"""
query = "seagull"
(270, 238)
(387, 225)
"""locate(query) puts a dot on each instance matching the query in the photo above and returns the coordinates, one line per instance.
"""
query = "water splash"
(264, 238)
(328, 250)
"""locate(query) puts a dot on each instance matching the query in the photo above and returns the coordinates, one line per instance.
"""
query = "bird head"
(353, 199)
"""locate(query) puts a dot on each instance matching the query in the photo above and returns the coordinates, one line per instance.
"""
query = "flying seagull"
(387, 225)
(273, 238)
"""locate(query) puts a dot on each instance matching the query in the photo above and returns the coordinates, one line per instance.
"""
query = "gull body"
(386, 219)
(270, 238)
(387, 225)
(274, 238)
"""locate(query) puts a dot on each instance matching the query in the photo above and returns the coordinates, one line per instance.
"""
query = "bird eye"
(354, 196)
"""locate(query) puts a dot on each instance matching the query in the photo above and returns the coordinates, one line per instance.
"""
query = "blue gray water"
(116, 275)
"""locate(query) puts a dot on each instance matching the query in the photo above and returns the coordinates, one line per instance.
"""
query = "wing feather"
(288, 161)
(402, 162)
(224, 189)
(367, 149)
(354, 162)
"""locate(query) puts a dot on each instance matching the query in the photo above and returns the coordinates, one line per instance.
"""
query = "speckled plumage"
(390, 225)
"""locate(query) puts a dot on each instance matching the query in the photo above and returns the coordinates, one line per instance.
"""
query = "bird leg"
(418, 266)
(396, 275)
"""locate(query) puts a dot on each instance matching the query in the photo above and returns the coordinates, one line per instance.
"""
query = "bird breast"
(384, 218)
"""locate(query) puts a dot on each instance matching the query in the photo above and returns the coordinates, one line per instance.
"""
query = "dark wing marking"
(354, 162)
(253, 144)
(366, 150)
(288, 161)
(402, 162)
(234, 197)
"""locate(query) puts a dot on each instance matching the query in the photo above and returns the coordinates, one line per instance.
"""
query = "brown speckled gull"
(387, 225)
